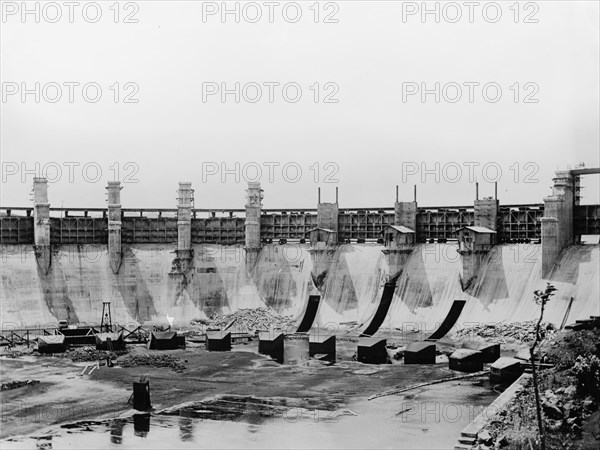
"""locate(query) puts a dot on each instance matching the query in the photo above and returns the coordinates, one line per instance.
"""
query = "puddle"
(421, 419)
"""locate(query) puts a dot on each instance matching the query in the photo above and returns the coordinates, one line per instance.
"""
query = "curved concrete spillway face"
(80, 279)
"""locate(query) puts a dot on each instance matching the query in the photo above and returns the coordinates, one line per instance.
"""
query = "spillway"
(220, 281)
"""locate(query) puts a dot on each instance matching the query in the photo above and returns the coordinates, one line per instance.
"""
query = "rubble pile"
(248, 320)
(504, 332)
(17, 384)
(569, 399)
(86, 354)
(153, 360)
(563, 411)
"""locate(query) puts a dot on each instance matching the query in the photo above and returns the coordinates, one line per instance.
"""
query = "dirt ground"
(64, 395)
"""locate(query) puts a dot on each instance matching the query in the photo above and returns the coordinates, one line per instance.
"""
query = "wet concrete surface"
(239, 399)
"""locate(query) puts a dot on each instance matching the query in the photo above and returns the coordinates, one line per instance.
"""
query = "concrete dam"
(143, 291)
(495, 264)
(247, 321)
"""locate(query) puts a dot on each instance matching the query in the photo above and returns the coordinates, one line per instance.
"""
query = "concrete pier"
(506, 370)
(405, 213)
(218, 341)
(372, 351)
(420, 353)
(486, 213)
(114, 225)
(323, 239)
(400, 238)
(477, 240)
(41, 229)
(474, 242)
(557, 223)
(185, 198)
(399, 242)
(254, 199)
(489, 352)
(322, 344)
(466, 360)
(327, 214)
(271, 343)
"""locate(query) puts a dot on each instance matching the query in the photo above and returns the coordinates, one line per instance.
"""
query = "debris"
(403, 411)
(566, 409)
(552, 411)
(570, 391)
(484, 437)
(520, 331)
(17, 384)
(153, 360)
(86, 354)
(415, 386)
(248, 320)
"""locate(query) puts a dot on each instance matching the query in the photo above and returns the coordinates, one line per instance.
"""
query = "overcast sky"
(366, 143)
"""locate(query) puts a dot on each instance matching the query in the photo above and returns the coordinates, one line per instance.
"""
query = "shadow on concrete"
(491, 284)
(413, 283)
(566, 267)
(132, 287)
(204, 283)
(273, 278)
(55, 288)
(338, 288)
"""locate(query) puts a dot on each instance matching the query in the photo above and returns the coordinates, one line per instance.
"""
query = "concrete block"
(465, 360)
(489, 352)
(109, 341)
(51, 344)
(218, 341)
(163, 340)
(141, 396)
(588, 324)
(372, 351)
(79, 336)
(321, 344)
(575, 327)
(419, 353)
(506, 370)
(271, 344)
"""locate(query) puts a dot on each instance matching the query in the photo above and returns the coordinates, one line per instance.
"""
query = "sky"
(362, 96)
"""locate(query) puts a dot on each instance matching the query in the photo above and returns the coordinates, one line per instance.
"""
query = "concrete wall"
(184, 216)
(486, 213)
(405, 214)
(80, 279)
(327, 216)
(557, 223)
(253, 211)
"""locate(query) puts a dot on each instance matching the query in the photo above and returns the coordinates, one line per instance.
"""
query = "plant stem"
(536, 389)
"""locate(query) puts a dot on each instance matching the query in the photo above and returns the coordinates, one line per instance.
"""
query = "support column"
(41, 220)
(486, 216)
(398, 249)
(114, 225)
(184, 252)
(405, 213)
(486, 213)
(184, 220)
(254, 199)
(327, 217)
(323, 243)
(557, 223)
(471, 263)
